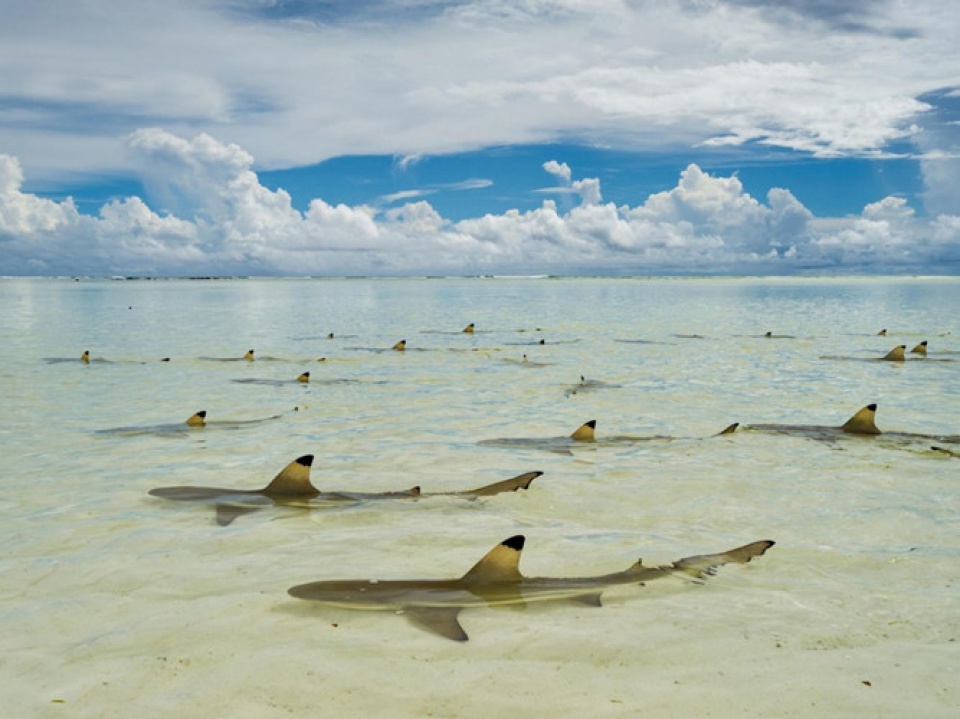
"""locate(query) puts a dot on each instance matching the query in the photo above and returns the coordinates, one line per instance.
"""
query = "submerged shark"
(585, 434)
(194, 422)
(589, 385)
(435, 604)
(292, 488)
(301, 379)
(861, 424)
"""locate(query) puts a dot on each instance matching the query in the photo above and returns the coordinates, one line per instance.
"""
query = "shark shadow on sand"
(292, 488)
(496, 581)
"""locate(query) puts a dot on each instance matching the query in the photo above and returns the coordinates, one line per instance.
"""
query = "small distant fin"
(226, 513)
(438, 620)
(705, 565)
(500, 564)
(293, 480)
(920, 349)
(199, 419)
(521, 481)
(248, 356)
(414, 491)
(863, 422)
(330, 335)
(85, 357)
(896, 354)
(305, 377)
(590, 600)
(882, 333)
(585, 432)
(728, 430)
(400, 346)
(468, 329)
(768, 334)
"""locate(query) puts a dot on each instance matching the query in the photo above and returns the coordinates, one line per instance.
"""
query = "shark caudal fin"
(730, 429)
(248, 355)
(896, 354)
(400, 346)
(500, 564)
(585, 432)
(863, 421)
(293, 480)
(85, 357)
(705, 565)
(521, 481)
(304, 378)
(920, 349)
(468, 329)
(198, 419)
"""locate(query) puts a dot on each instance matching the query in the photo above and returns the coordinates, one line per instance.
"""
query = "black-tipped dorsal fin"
(500, 564)
(198, 419)
(882, 333)
(729, 429)
(248, 355)
(85, 357)
(896, 354)
(293, 480)
(585, 432)
(920, 349)
(863, 422)
(400, 346)
(305, 377)
(469, 329)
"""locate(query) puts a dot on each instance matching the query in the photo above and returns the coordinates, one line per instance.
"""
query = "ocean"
(116, 603)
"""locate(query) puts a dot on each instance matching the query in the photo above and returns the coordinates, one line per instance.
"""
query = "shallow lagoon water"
(117, 603)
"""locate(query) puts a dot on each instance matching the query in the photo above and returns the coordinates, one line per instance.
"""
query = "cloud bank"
(209, 215)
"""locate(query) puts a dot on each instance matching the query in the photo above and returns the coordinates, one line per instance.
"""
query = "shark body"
(435, 604)
(292, 488)
(195, 422)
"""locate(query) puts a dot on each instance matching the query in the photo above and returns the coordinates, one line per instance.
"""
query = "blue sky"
(394, 137)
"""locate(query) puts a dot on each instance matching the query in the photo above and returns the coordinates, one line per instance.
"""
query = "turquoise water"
(117, 603)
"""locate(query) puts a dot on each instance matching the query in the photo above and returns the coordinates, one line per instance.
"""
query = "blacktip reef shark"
(292, 488)
(861, 424)
(585, 434)
(496, 581)
(196, 422)
(301, 379)
(589, 385)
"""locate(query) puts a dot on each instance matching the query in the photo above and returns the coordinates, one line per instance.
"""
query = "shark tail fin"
(585, 432)
(198, 419)
(863, 422)
(705, 565)
(500, 564)
(920, 349)
(294, 479)
(896, 354)
(521, 481)
(305, 377)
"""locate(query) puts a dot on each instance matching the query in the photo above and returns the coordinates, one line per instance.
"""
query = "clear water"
(115, 603)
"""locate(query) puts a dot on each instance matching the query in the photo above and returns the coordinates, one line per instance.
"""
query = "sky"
(479, 137)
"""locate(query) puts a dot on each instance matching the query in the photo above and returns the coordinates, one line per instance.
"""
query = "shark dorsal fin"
(305, 377)
(85, 357)
(400, 346)
(896, 354)
(863, 421)
(768, 334)
(585, 432)
(248, 356)
(730, 429)
(468, 329)
(293, 480)
(500, 564)
(920, 349)
(882, 333)
(198, 419)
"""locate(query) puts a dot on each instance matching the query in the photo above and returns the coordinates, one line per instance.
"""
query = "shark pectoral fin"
(438, 620)
(521, 481)
(585, 432)
(705, 565)
(590, 600)
(229, 511)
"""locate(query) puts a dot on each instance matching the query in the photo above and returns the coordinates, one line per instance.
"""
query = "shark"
(861, 424)
(589, 385)
(196, 421)
(496, 581)
(301, 379)
(585, 434)
(292, 488)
